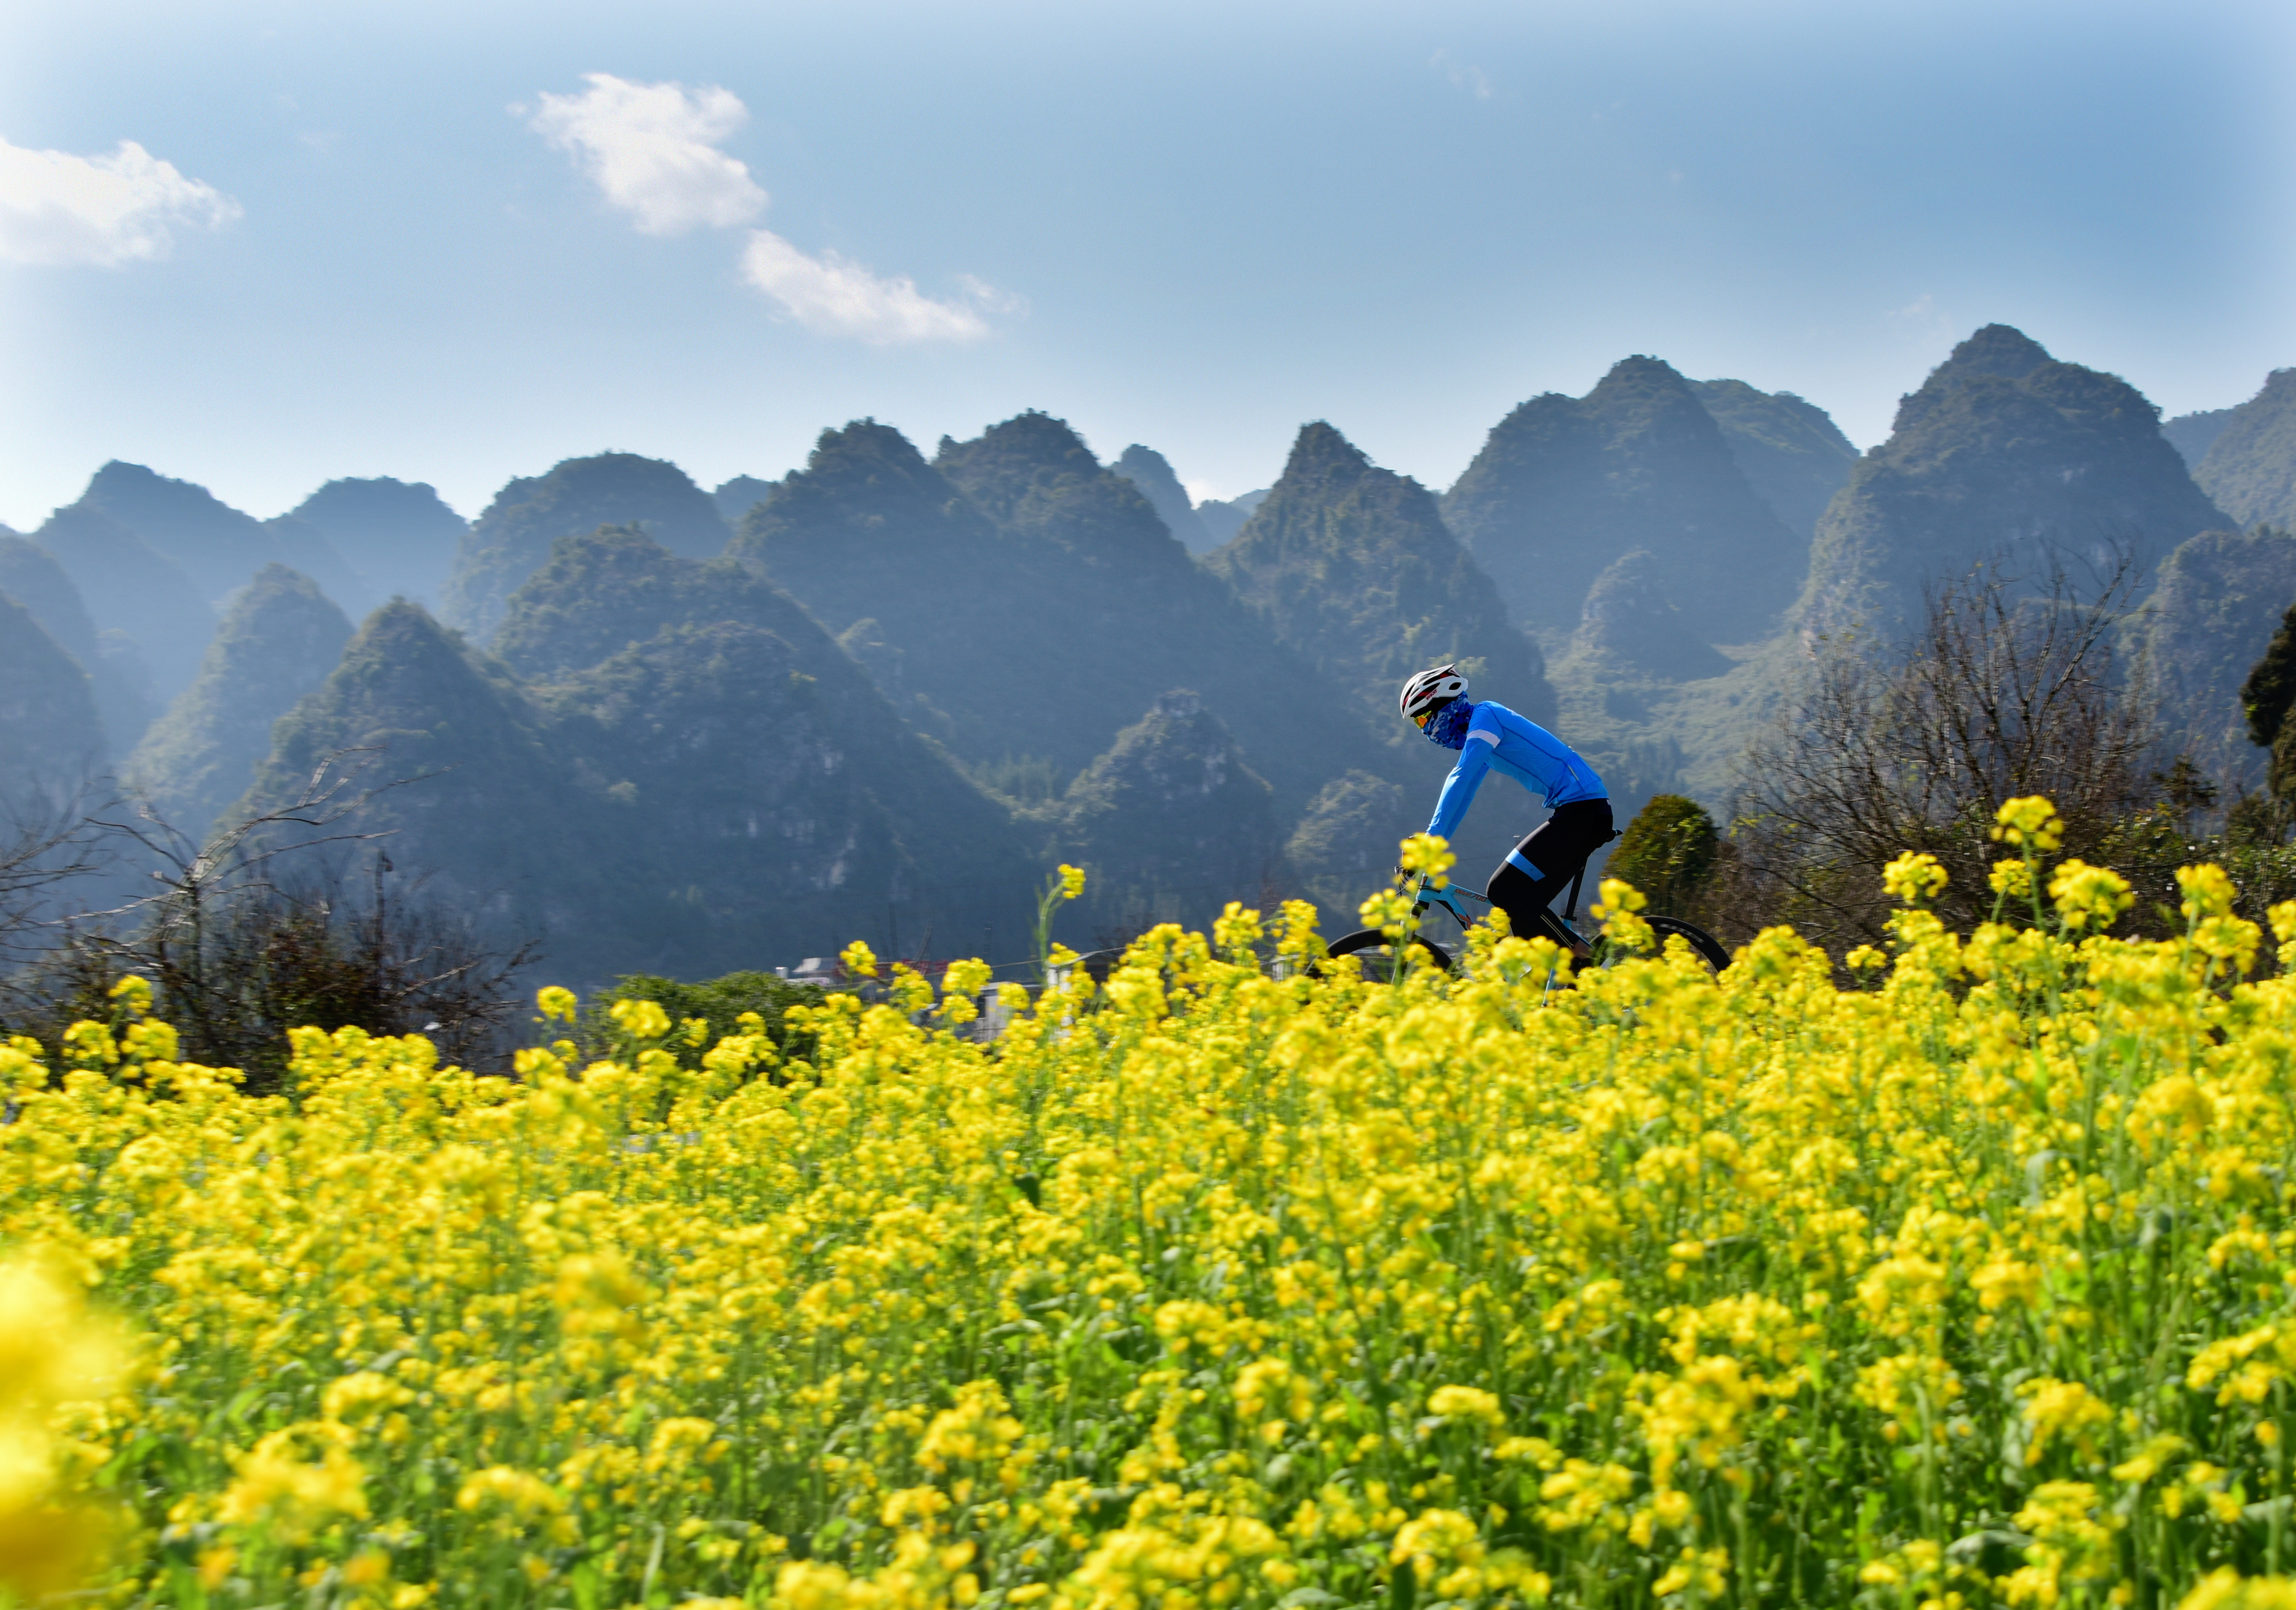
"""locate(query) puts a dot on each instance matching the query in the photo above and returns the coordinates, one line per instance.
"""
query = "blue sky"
(459, 242)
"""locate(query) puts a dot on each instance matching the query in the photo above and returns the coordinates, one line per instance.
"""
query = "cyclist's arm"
(1459, 787)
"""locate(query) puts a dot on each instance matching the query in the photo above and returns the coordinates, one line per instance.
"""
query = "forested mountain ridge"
(781, 800)
(2194, 434)
(1630, 624)
(2002, 453)
(603, 591)
(1147, 469)
(628, 644)
(1035, 479)
(710, 798)
(511, 540)
(1170, 821)
(481, 821)
(1563, 487)
(51, 738)
(1044, 632)
(2250, 470)
(861, 524)
(280, 638)
(1354, 568)
(117, 674)
(905, 688)
(1790, 450)
(2213, 608)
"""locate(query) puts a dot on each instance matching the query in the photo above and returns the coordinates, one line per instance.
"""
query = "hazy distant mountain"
(400, 537)
(482, 821)
(1790, 451)
(51, 738)
(736, 498)
(219, 547)
(869, 534)
(1356, 570)
(2250, 468)
(609, 589)
(760, 800)
(302, 547)
(704, 697)
(2219, 597)
(1653, 707)
(277, 642)
(2194, 434)
(1146, 468)
(510, 541)
(1565, 486)
(1222, 520)
(1017, 600)
(129, 588)
(1631, 623)
(714, 797)
(1345, 845)
(29, 574)
(1170, 822)
(2003, 452)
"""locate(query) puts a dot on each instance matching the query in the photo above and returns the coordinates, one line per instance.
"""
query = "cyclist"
(1489, 736)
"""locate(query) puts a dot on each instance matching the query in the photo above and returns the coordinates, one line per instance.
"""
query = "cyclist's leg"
(1543, 865)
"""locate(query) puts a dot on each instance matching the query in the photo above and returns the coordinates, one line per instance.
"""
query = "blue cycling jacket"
(1498, 739)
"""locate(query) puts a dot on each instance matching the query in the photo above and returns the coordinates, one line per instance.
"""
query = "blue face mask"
(1448, 726)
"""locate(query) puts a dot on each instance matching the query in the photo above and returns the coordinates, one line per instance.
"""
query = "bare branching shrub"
(2010, 687)
(45, 846)
(279, 921)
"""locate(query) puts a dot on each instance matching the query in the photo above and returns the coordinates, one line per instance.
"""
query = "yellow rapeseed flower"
(1218, 1282)
(2032, 822)
(1914, 877)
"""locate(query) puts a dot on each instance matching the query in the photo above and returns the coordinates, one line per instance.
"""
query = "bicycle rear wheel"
(1379, 955)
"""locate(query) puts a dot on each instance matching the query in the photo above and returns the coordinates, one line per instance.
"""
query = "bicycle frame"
(1448, 898)
(1452, 899)
(1450, 894)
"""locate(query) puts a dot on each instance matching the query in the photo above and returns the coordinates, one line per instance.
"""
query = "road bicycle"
(1382, 959)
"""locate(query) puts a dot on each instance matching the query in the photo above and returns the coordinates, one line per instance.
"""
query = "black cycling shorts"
(1539, 868)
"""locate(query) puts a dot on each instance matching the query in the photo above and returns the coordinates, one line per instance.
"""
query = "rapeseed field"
(1969, 1282)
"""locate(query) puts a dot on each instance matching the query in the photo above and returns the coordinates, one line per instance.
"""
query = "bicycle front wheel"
(1709, 948)
(1381, 959)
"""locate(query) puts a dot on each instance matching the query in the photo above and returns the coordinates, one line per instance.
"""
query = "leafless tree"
(240, 943)
(47, 844)
(2011, 686)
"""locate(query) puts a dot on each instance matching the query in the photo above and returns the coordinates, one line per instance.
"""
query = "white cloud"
(833, 296)
(1922, 319)
(1464, 75)
(651, 150)
(58, 208)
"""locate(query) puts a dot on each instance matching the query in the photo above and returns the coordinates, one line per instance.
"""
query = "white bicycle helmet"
(1429, 691)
